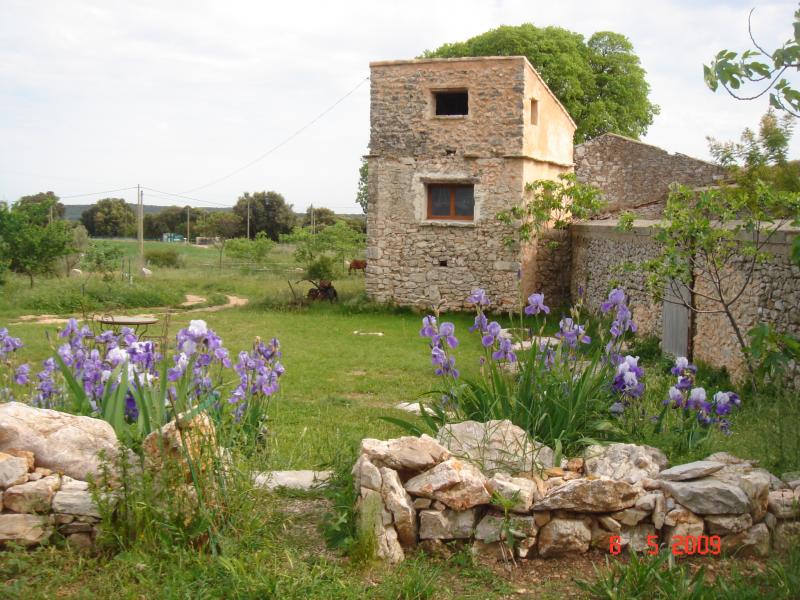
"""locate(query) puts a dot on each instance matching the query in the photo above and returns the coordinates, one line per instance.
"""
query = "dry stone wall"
(490, 486)
(603, 257)
(636, 176)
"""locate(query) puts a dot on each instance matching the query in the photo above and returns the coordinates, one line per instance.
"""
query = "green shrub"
(323, 267)
(102, 257)
(164, 257)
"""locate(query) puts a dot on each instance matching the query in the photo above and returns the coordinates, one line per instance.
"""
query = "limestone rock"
(62, 442)
(24, 529)
(68, 484)
(636, 537)
(495, 446)
(399, 503)
(564, 536)
(683, 522)
(422, 503)
(575, 465)
(659, 511)
(406, 453)
(523, 491)
(728, 524)
(195, 437)
(75, 503)
(13, 470)
(647, 503)
(786, 535)
(630, 516)
(494, 550)
(708, 496)
(365, 474)
(751, 542)
(729, 459)
(303, 480)
(625, 462)
(460, 485)
(491, 527)
(783, 504)
(26, 454)
(692, 470)
(609, 523)
(389, 548)
(446, 524)
(753, 481)
(80, 540)
(542, 518)
(32, 497)
(585, 495)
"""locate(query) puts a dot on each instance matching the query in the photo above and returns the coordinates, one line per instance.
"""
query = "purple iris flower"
(481, 322)
(131, 410)
(617, 409)
(697, 398)
(493, 331)
(428, 327)
(8, 344)
(572, 333)
(504, 351)
(22, 374)
(479, 297)
(615, 298)
(447, 333)
(536, 305)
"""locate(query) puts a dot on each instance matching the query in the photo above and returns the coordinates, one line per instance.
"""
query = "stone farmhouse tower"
(452, 143)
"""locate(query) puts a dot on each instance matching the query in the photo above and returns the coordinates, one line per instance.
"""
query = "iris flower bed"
(567, 391)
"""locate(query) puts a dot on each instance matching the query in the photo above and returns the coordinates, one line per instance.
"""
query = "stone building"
(636, 176)
(452, 143)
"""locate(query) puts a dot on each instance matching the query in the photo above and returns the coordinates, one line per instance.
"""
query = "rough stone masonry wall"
(425, 491)
(599, 251)
(35, 502)
(416, 262)
(636, 176)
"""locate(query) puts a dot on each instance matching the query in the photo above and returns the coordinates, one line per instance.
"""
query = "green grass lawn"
(337, 387)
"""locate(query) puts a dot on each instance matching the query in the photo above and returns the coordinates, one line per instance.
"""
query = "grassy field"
(337, 387)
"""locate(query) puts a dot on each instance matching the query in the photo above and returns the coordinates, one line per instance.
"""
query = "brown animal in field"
(357, 265)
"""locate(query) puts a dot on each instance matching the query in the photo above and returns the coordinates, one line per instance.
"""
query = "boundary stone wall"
(599, 256)
(636, 176)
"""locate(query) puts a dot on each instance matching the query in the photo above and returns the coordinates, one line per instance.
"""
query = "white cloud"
(99, 94)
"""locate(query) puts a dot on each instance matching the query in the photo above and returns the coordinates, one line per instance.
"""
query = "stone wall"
(36, 502)
(636, 176)
(600, 253)
(425, 491)
(496, 147)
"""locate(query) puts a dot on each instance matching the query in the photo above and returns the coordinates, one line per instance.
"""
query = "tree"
(171, 219)
(322, 217)
(45, 197)
(338, 241)
(29, 244)
(220, 224)
(80, 242)
(256, 250)
(269, 212)
(761, 155)
(109, 217)
(601, 83)
(362, 195)
(760, 69)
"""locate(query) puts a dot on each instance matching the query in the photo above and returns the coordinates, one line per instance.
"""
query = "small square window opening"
(451, 103)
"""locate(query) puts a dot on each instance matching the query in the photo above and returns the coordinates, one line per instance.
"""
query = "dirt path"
(191, 300)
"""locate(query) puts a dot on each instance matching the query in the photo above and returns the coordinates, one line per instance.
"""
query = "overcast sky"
(98, 95)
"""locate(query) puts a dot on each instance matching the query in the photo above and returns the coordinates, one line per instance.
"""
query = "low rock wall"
(37, 502)
(490, 486)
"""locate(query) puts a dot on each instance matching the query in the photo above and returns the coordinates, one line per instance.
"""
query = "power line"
(97, 193)
(186, 197)
(282, 143)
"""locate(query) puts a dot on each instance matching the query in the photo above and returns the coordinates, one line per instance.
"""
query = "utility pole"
(140, 227)
(188, 209)
(248, 216)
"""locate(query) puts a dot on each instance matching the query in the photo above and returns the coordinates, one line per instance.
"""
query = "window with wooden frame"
(451, 201)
